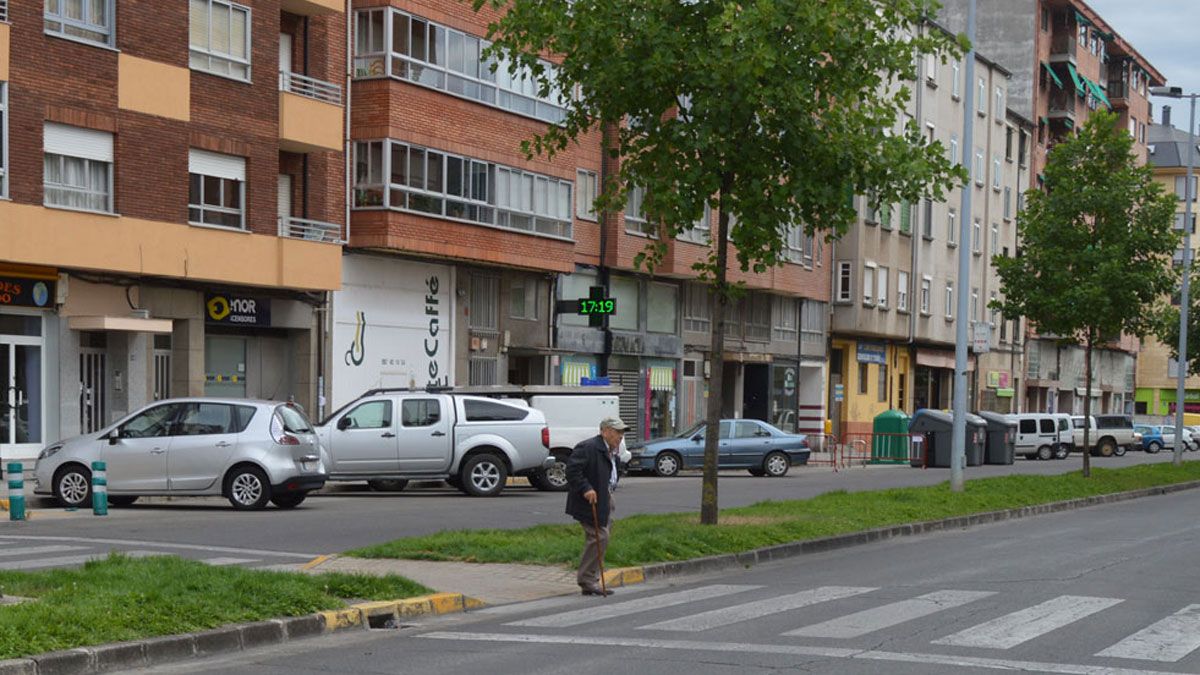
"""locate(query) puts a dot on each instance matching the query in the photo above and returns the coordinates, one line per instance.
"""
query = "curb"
(122, 656)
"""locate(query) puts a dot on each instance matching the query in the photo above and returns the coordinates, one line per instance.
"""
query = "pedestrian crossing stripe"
(1013, 629)
(1168, 640)
(759, 608)
(879, 618)
(617, 609)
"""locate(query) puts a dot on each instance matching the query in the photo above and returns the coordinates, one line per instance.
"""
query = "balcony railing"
(1063, 45)
(1062, 104)
(311, 230)
(3, 10)
(1117, 89)
(303, 85)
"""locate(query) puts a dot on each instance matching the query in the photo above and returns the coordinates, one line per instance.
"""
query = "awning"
(1053, 75)
(1068, 123)
(127, 324)
(573, 372)
(662, 378)
(1075, 77)
(935, 358)
(1044, 120)
(1099, 93)
(1079, 18)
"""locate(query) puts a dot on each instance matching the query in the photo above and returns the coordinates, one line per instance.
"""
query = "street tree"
(1167, 326)
(1096, 246)
(770, 113)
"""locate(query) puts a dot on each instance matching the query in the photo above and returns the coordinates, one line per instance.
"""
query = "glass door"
(21, 386)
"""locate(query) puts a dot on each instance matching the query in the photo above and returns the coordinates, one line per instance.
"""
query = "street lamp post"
(1181, 369)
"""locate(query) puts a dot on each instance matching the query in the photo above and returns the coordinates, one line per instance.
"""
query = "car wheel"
(1120, 451)
(483, 475)
(1045, 452)
(1107, 448)
(247, 488)
(666, 464)
(388, 484)
(776, 464)
(1154, 447)
(73, 486)
(289, 500)
(553, 479)
(122, 500)
(1061, 452)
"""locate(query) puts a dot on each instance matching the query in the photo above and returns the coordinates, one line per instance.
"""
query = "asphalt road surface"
(350, 515)
(1104, 590)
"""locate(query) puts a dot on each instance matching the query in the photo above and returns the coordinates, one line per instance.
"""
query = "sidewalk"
(494, 584)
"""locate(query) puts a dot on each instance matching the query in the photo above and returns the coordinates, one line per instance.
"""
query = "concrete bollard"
(16, 491)
(99, 489)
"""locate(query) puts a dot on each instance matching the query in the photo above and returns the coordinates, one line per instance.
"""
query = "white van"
(1037, 435)
(1066, 435)
(572, 418)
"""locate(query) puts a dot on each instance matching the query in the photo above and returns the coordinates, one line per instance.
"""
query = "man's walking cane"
(599, 549)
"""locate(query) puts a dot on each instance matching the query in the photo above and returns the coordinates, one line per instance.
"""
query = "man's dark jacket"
(589, 468)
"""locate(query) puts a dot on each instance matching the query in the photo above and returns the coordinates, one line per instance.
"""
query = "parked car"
(1155, 437)
(1189, 440)
(1108, 435)
(1038, 435)
(1066, 438)
(753, 445)
(250, 452)
(391, 436)
(1195, 438)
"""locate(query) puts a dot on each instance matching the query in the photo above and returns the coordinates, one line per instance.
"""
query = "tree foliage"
(1095, 245)
(1167, 326)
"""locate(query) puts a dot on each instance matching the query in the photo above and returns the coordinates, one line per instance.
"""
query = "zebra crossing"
(27, 556)
(995, 623)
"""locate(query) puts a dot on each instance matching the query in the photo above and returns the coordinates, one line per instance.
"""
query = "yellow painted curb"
(341, 619)
(315, 561)
(625, 576)
(516, 480)
(359, 616)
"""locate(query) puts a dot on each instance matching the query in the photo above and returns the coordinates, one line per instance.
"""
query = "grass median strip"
(119, 598)
(647, 539)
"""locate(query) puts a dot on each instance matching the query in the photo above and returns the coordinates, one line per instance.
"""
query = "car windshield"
(697, 429)
(294, 421)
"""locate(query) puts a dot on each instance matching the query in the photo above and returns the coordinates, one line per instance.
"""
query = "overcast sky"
(1164, 31)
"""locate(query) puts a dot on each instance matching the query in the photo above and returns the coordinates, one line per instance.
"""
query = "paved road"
(349, 515)
(1109, 589)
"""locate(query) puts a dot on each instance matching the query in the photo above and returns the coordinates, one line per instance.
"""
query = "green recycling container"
(886, 448)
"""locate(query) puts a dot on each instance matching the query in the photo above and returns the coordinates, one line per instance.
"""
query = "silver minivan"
(250, 452)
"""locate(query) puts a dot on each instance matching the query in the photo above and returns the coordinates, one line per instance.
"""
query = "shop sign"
(22, 292)
(789, 381)
(237, 310)
(1005, 392)
(839, 393)
(981, 337)
(998, 379)
(872, 352)
(628, 344)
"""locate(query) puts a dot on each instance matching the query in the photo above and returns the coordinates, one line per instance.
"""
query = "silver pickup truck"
(388, 437)
(1108, 435)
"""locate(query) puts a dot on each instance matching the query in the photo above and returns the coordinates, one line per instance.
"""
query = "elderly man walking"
(591, 478)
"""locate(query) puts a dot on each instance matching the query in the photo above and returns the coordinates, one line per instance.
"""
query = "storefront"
(27, 352)
(933, 379)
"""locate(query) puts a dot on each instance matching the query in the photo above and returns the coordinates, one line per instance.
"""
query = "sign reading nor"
(237, 310)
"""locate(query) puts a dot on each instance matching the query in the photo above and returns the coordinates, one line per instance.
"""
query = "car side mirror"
(114, 436)
(343, 424)
(698, 437)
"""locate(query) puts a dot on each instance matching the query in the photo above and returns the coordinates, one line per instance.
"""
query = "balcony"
(311, 230)
(310, 114)
(1062, 105)
(310, 7)
(3, 10)
(1118, 92)
(1063, 49)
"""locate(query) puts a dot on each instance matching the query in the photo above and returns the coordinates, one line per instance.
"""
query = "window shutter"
(215, 164)
(61, 139)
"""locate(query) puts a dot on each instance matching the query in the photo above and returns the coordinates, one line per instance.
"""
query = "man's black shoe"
(597, 591)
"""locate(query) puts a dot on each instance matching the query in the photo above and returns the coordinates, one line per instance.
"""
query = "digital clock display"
(589, 306)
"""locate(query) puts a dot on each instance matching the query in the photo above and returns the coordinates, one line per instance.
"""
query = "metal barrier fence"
(861, 449)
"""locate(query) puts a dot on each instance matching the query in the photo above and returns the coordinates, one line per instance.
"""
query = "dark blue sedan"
(753, 445)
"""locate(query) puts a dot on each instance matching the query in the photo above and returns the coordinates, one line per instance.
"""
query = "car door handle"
(223, 444)
(157, 451)
(438, 433)
(388, 434)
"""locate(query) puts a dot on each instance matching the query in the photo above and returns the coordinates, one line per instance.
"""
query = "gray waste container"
(1001, 438)
(976, 439)
(935, 426)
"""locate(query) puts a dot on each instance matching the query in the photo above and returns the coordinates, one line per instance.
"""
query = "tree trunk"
(1087, 405)
(718, 295)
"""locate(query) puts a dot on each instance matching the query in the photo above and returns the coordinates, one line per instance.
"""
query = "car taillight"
(279, 435)
(546, 437)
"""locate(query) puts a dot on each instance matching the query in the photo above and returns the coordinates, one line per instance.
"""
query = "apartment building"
(170, 205)
(896, 273)
(1156, 393)
(460, 248)
(1066, 61)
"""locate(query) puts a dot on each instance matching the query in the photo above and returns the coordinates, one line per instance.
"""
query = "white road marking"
(759, 608)
(1011, 630)
(64, 561)
(1168, 640)
(607, 609)
(182, 547)
(38, 550)
(878, 618)
(791, 650)
(228, 561)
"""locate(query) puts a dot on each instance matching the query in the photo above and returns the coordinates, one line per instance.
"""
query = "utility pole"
(958, 452)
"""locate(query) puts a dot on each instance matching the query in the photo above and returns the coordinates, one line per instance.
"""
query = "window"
(77, 166)
(757, 310)
(1008, 144)
(928, 224)
(931, 64)
(450, 186)
(696, 308)
(1179, 217)
(1045, 20)
(83, 20)
(635, 215)
(3, 139)
(798, 246)
(1181, 187)
(998, 105)
(871, 217)
(206, 419)
(368, 415)
(901, 291)
(949, 300)
(663, 310)
(952, 227)
(974, 304)
(523, 299)
(906, 217)
(883, 383)
(153, 423)
(392, 43)
(994, 313)
(881, 287)
(864, 372)
(219, 38)
(954, 158)
(844, 276)
(981, 98)
(1028, 426)
(955, 82)
(1008, 203)
(979, 167)
(1022, 139)
(995, 239)
(996, 172)
(625, 290)
(977, 237)
(484, 303)
(868, 284)
(420, 412)
(216, 189)
(1046, 426)
(700, 230)
(585, 195)
(477, 410)
(925, 293)
(748, 429)
(812, 322)
(785, 318)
